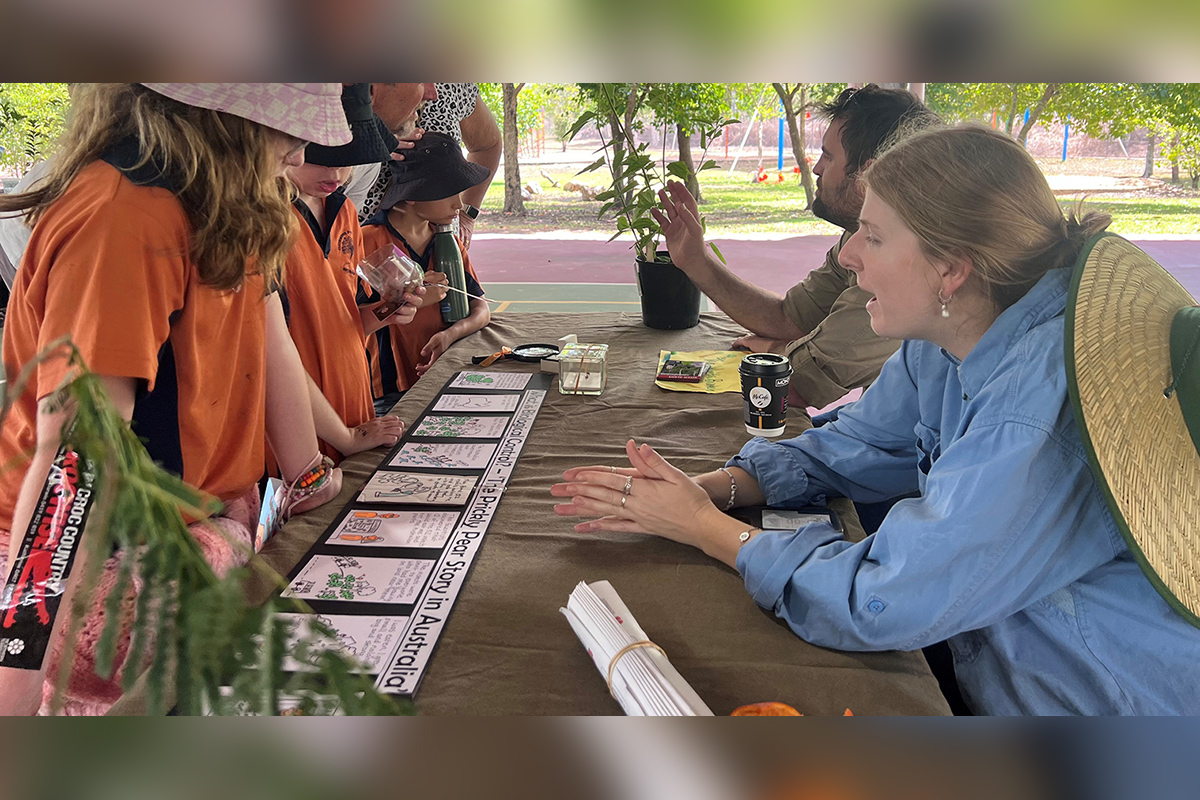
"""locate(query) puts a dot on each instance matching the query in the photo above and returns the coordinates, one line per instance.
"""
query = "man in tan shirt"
(821, 324)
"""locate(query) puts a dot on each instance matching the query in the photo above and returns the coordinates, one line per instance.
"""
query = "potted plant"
(669, 298)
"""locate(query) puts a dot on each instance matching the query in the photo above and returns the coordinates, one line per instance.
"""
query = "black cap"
(373, 143)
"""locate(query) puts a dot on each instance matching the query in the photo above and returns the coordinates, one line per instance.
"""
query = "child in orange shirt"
(158, 273)
(320, 284)
(425, 192)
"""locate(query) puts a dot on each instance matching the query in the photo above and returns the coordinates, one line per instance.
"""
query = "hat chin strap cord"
(1187, 359)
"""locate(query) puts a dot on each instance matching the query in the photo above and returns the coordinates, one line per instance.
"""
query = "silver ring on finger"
(628, 486)
(624, 497)
(613, 470)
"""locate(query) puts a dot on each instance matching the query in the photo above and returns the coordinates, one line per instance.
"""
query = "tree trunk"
(513, 204)
(918, 89)
(795, 125)
(1150, 141)
(1175, 160)
(760, 154)
(1012, 109)
(685, 155)
(1038, 110)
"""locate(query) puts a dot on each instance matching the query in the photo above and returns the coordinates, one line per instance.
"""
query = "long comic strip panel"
(406, 667)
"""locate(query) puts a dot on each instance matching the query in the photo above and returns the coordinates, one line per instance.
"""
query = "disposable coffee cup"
(765, 379)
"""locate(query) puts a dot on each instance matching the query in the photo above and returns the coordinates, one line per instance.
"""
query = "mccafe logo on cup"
(765, 379)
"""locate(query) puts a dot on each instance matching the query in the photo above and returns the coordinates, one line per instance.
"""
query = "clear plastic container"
(583, 368)
(391, 274)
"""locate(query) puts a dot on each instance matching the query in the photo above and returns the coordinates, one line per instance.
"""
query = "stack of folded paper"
(639, 675)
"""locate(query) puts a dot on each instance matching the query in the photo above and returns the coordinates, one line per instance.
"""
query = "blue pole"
(1066, 133)
(779, 164)
(1027, 116)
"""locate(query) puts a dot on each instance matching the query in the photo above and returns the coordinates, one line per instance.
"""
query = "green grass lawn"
(1142, 215)
(736, 204)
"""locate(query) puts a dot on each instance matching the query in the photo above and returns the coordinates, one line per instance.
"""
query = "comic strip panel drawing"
(367, 639)
(477, 402)
(394, 528)
(506, 381)
(419, 489)
(444, 456)
(346, 579)
(462, 427)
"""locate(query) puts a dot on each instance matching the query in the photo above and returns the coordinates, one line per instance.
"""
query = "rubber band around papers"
(612, 665)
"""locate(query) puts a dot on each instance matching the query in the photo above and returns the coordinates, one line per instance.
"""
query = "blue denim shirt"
(1009, 551)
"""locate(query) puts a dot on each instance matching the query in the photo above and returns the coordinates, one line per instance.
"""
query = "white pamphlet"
(643, 680)
(783, 520)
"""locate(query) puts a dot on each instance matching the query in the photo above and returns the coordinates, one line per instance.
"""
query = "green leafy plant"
(636, 174)
(191, 632)
(32, 116)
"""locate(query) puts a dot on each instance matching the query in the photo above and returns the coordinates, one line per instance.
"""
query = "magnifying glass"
(528, 353)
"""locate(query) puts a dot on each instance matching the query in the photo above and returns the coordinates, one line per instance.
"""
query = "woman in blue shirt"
(1009, 551)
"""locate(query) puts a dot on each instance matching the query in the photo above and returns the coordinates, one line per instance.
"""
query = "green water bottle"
(447, 259)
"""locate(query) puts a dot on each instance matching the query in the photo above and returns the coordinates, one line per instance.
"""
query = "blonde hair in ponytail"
(224, 170)
(973, 191)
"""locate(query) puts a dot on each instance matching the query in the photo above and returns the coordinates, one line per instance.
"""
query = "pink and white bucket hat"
(309, 111)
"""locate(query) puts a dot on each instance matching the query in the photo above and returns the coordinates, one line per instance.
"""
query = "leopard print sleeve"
(455, 102)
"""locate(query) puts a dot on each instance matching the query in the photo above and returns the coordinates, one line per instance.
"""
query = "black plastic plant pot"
(670, 301)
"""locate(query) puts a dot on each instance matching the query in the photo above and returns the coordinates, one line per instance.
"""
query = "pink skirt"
(226, 542)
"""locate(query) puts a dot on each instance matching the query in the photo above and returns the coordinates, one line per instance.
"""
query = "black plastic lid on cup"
(765, 364)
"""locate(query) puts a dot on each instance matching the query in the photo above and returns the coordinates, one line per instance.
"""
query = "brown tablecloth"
(507, 650)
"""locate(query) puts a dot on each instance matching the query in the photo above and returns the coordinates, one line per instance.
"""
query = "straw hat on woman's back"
(1133, 359)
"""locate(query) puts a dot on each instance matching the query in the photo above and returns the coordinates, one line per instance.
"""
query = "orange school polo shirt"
(108, 264)
(320, 284)
(406, 341)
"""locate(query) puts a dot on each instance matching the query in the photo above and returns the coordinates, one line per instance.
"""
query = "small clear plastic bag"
(391, 274)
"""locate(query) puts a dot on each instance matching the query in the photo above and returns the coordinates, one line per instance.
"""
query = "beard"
(406, 130)
(836, 209)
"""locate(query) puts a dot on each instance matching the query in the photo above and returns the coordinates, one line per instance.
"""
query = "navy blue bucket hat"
(433, 170)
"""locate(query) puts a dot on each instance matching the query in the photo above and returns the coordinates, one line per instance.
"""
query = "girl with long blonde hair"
(158, 237)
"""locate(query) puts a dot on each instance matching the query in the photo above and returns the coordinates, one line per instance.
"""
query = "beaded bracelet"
(732, 488)
(306, 484)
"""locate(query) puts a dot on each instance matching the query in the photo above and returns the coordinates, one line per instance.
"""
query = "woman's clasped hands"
(650, 496)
